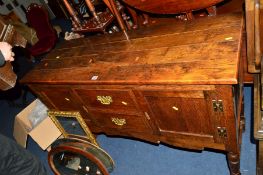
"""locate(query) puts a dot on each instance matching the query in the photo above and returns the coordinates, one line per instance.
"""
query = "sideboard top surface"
(202, 51)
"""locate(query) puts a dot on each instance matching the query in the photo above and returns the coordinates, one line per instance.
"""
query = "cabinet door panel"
(185, 112)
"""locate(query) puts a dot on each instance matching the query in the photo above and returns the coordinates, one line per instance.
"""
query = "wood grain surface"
(203, 51)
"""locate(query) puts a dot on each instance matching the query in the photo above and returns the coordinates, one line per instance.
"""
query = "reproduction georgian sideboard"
(179, 83)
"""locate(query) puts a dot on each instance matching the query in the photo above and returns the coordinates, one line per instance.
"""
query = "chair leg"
(118, 16)
(77, 23)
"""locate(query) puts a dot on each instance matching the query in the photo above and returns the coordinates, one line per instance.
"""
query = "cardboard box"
(44, 134)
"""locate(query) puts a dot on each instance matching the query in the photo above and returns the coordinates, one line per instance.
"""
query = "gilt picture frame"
(71, 124)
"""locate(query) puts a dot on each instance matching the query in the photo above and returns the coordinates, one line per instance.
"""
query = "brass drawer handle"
(118, 121)
(105, 100)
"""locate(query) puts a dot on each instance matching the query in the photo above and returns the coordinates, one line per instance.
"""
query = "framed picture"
(71, 124)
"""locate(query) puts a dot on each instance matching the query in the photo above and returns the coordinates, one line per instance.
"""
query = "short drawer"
(122, 122)
(59, 98)
(107, 99)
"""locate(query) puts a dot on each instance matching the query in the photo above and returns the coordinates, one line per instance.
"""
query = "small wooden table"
(179, 83)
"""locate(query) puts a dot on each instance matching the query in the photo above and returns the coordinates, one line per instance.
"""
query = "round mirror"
(72, 156)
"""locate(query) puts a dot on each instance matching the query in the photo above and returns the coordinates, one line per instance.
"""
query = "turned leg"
(134, 17)
(234, 163)
(75, 19)
(92, 10)
(118, 16)
(189, 16)
(145, 19)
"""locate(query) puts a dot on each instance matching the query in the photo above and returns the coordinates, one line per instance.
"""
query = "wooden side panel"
(261, 25)
(254, 26)
(250, 28)
(258, 122)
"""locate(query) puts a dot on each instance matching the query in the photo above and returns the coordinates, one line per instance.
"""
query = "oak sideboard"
(179, 83)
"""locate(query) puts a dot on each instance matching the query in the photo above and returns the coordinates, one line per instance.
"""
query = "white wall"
(3, 9)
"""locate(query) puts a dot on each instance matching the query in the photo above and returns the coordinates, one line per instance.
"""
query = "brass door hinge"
(218, 105)
(222, 132)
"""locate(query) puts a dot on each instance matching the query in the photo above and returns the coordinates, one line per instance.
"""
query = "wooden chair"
(98, 22)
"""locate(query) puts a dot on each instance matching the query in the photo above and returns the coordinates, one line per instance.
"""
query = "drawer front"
(60, 98)
(63, 99)
(121, 122)
(117, 100)
(185, 112)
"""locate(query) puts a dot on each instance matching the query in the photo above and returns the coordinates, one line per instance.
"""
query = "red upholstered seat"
(37, 18)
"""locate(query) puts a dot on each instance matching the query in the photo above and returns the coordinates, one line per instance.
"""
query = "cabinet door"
(185, 112)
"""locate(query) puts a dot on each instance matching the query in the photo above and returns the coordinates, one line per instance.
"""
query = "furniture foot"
(234, 163)
(134, 18)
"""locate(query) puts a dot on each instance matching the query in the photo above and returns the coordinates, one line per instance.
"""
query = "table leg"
(118, 16)
(234, 163)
